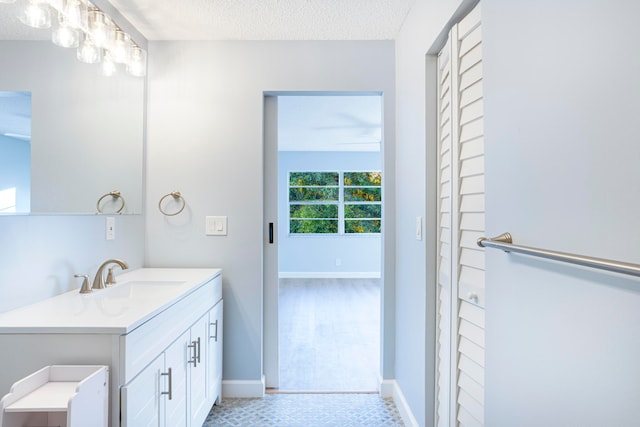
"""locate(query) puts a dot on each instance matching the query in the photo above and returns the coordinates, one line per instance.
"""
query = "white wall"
(205, 139)
(561, 125)
(415, 185)
(300, 254)
(39, 254)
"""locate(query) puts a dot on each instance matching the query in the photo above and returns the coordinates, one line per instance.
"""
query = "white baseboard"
(329, 275)
(390, 388)
(243, 388)
(386, 387)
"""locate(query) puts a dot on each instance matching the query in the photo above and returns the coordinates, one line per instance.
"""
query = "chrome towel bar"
(505, 242)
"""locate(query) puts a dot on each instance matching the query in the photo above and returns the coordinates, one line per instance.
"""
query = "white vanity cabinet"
(214, 368)
(184, 377)
(159, 331)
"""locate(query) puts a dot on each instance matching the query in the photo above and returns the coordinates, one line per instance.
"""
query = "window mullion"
(341, 204)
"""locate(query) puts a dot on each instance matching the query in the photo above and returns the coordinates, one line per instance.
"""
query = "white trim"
(243, 388)
(329, 275)
(386, 387)
(390, 388)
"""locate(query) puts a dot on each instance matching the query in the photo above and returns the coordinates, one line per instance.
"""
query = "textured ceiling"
(244, 19)
(265, 19)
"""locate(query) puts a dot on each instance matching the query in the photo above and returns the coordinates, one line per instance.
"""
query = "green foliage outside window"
(300, 194)
(315, 205)
(373, 179)
(314, 178)
(362, 226)
(313, 211)
(323, 226)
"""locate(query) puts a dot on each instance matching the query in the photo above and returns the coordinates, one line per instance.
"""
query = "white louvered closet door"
(461, 222)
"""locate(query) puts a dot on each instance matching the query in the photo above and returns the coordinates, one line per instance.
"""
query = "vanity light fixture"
(36, 14)
(88, 52)
(82, 25)
(108, 65)
(121, 47)
(137, 65)
(101, 28)
(65, 35)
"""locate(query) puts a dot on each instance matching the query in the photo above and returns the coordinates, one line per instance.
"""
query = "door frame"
(270, 339)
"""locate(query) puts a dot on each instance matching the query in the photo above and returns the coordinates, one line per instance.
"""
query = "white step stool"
(58, 396)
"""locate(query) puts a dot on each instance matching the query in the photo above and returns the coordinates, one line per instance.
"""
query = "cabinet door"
(141, 405)
(197, 372)
(176, 403)
(214, 368)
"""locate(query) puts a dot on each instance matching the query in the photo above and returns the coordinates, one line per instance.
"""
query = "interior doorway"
(329, 242)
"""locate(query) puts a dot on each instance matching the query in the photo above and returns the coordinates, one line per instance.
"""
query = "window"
(8, 200)
(335, 202)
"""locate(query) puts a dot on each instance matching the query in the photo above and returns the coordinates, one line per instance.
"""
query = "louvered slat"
(472, 350)
(471, 94)
(473, 388)
(465, 419)
(473, 333)
(469, 367)
(472, 314)
(472, 203)
(471, 58)
(471, 130)
(475, 408)
(472, 166)
(472, 258)
(472, 148)
(472, 221)
(469, 238)
(472, 185)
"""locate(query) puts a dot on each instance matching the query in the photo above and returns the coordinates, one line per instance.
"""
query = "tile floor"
(329, 342)
(306, 410)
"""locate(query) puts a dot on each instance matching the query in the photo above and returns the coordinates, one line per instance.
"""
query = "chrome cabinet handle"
(194, 358)
(170, 392)
(215, 336)
(198, 351)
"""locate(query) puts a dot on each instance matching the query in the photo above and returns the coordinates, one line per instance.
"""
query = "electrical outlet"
(110, 228)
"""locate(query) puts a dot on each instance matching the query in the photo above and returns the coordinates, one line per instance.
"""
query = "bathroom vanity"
(159, 331)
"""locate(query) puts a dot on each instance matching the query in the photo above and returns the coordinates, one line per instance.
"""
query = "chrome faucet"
(98, 282)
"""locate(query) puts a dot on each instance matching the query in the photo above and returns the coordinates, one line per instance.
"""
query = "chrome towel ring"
(116, 195)
(177, 197)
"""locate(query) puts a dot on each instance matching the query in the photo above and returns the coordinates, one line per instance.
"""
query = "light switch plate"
(216, 226)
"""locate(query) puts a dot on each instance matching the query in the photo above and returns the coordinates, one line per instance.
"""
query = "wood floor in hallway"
(329, 335)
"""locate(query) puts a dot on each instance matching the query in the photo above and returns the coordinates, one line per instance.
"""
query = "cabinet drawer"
(141, 346)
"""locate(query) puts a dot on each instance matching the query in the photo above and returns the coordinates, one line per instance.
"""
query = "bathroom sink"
(154, 283)
(147, 288)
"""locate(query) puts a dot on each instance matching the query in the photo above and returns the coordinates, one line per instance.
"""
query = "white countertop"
(137, 296)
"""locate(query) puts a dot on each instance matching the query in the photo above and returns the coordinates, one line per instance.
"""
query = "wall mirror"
(87, 130)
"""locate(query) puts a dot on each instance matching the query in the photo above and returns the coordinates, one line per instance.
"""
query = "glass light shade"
(137, 65)
(65, 35)
(36, 14)
(121, 47)
(108, 65)
(88, 51)
(76, 14)
(101, 28)
(56, 4)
